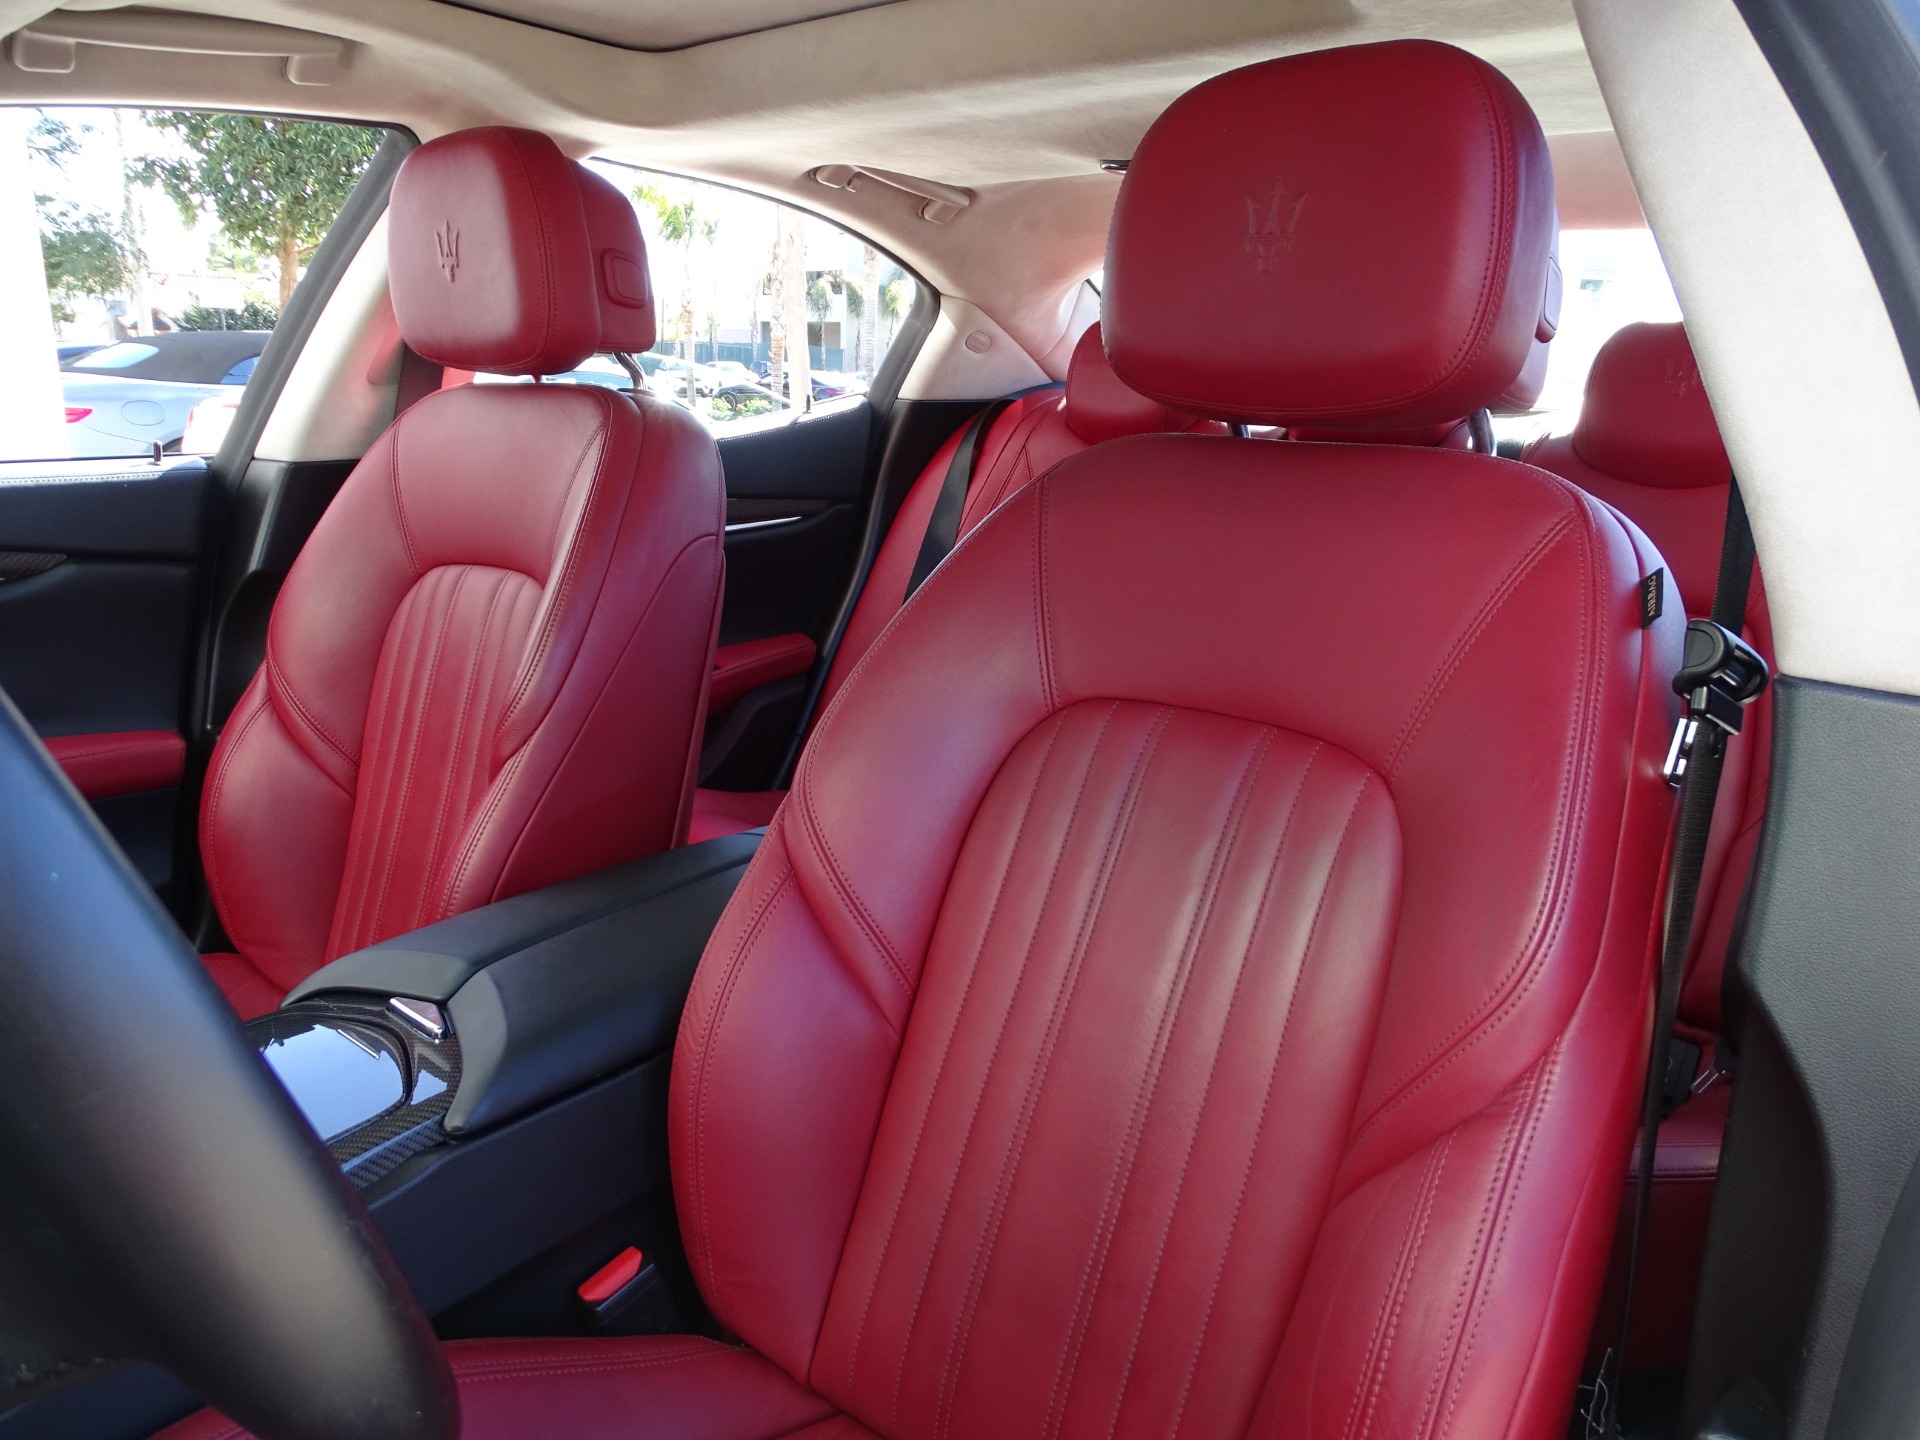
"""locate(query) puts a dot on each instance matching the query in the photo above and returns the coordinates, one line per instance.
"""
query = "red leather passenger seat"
(1198, 984)
(485, 671)
(1033, 434)
(1647, 444)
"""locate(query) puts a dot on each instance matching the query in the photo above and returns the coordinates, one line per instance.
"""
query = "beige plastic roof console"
(939, 203)
(50, 45)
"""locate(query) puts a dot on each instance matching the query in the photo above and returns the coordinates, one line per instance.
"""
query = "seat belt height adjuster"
(1719, 675)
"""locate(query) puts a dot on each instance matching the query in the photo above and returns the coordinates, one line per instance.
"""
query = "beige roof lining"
(664, 24)
(925, 88)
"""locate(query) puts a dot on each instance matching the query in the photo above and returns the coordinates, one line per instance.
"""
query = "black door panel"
(821, 454)
(94, 646)
(793, 495)
(274, 510)
(98, 643)
(796, 490)
(781, 574)
(104, 509)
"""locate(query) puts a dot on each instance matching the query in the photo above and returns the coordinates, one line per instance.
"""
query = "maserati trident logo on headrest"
(1270, 222)
(448, 239)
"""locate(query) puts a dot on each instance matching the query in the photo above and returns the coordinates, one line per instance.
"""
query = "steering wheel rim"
(178, 1208)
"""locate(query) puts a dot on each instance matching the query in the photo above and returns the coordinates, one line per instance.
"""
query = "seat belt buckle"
(1719, 676)
(627, 1296)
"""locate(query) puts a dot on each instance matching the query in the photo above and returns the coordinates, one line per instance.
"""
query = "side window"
(1611, 278)
(149, 255)
(764, 308)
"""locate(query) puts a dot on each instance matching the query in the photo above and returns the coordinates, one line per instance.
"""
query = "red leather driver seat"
(1198, 983)
(485, 672)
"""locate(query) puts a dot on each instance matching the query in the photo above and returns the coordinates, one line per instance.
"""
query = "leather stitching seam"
(410, 752)
(1266, 1102)
(1147, 1088)
(1535, 1107)
(1000, 1035)
(1386, 1323)
(1042, 1066)
(703, 1055)
(280, 689)
(1549, 910)
(1213, 1070)
(570, 563)
(946, 1050)
(850, 898)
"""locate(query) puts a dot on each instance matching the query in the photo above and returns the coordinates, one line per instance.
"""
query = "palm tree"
(790, 285)
(869, 330)
(895, 296)
(857, 308)
(680, 226)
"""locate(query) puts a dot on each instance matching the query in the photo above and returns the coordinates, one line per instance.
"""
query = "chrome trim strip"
(736, 526)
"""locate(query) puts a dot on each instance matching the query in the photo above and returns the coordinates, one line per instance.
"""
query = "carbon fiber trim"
(376, 1147)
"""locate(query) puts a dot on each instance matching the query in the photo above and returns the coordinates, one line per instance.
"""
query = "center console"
(495, 1085)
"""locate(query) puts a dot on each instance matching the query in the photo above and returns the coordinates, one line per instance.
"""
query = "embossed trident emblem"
(448, 240)
(1270, 222)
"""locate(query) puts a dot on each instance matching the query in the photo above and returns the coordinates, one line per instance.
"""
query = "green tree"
(52, 139)
(254, 315)
(274, 185)
(680, 226)
(83, 255)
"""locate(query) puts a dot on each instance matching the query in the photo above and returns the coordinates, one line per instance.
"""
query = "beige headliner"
(1015, 99)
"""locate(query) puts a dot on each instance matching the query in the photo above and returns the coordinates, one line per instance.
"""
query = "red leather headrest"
(619, 265)
(1352, 238)
(1645, 417)
(487, 254)
(1098, 407)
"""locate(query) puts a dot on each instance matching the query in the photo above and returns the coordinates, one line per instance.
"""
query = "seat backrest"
(1647, 444)
(1198, 983)
(1033, 434)
(486, 669)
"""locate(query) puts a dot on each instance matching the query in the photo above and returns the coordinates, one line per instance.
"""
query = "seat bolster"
(885, 791)
(275, 883)
(779, 1073)
(1451, 1294)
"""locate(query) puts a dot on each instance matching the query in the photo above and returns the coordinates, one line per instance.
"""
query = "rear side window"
(764, 309)
(149, 255)
(1611, 278)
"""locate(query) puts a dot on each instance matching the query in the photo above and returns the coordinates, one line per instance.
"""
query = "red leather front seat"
(1647, 444)
(486, 670)
(1033, 434)
(1198, 983)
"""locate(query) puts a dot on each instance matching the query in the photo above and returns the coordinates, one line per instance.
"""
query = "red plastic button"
(613, 1277)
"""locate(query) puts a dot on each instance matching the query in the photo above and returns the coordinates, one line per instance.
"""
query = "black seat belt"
(1720, 674)
(943, 528)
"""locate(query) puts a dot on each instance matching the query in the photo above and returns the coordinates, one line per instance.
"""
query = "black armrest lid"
(554, 989)
(433, 962)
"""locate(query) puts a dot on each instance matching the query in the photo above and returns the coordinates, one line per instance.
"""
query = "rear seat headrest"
(1098, 407)
(1351, 238)
(1645, 418)
(488, 257)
